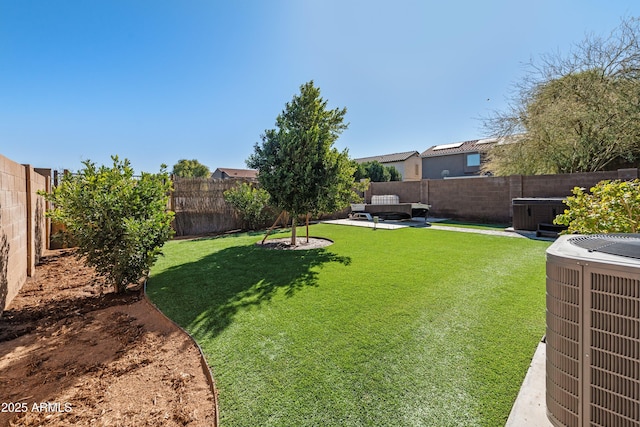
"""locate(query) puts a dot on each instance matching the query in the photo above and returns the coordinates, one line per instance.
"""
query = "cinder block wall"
(37, 235)
(561, 185)
(21, 219)
(13, 229)
(479, 199)
(488, 199)
(408, 191)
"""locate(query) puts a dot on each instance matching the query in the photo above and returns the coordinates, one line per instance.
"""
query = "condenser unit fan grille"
(626, 245)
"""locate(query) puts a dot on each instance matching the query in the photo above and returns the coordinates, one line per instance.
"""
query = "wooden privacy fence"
(200, 206)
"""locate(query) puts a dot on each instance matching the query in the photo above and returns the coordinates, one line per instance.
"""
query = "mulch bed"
(74, 353)
(301, 243)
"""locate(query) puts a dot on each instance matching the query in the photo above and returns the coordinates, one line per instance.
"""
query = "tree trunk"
(294, 219)
(307, 227)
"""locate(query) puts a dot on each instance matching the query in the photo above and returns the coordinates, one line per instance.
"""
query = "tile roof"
(388, 158)
(473, 146)
(239, 173)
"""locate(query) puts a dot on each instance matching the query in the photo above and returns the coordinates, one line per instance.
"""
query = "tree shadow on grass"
(205, 295)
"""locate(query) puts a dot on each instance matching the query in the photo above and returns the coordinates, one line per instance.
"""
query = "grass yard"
(408, 327)
(463, 224)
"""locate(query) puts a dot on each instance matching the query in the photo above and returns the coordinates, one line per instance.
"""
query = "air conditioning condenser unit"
(593, 331)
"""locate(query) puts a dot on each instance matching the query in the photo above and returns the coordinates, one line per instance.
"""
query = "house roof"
(388, 158)
(473, 146)
(239, 173)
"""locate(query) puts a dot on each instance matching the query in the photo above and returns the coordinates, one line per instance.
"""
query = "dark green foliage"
(190, 169)
(118, 221)
(251, 202)
(394, 175)
(298, 165)
(376, 172)
(610, 207)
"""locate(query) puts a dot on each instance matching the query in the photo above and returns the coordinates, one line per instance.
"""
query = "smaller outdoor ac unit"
(593, 331)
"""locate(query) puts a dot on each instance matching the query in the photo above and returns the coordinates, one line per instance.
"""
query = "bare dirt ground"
(73, 353)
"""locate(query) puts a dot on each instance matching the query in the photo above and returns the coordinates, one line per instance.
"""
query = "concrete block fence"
(23, 228)
(488, 199)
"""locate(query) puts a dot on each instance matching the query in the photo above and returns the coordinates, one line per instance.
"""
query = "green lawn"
(401, 327)
(463, 224)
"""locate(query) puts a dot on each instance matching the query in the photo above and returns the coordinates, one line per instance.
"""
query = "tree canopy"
(297, 163)
(376, 172)
(190, 169)
(574, 113)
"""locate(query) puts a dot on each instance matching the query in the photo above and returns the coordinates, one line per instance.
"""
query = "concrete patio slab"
(383, 225)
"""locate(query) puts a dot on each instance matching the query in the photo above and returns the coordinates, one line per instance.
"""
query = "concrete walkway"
(503, 233)
(384, 225)
(432, 224)
(530, 408)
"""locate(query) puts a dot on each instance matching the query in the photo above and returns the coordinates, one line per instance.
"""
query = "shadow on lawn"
(205, 295)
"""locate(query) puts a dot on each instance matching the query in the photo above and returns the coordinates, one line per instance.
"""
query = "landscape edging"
(203, 360)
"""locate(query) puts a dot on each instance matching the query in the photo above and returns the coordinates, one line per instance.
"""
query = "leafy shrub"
(251, 202)
(610, 207)
(118, 221)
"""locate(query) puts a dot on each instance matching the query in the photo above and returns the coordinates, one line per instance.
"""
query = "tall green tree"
(574, 113)
(119, 221)
(190, 169)
(298, 165)
(376, 172)
(394, 175)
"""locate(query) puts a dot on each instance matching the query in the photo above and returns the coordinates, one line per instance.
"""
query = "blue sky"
(156, 81)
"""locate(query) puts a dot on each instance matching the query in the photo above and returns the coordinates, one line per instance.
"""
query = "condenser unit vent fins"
(615, 350)
(593, 331)
(563, 343)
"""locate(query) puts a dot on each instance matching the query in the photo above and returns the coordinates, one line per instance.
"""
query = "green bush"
(118, 221)
(610, 207)
(251, 202)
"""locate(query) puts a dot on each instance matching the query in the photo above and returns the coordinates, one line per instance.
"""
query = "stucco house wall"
(408, 164)
(455, 160)
(412, 169)
(455, 164)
